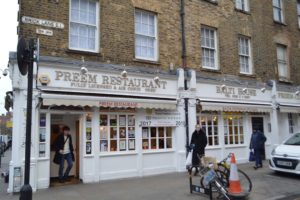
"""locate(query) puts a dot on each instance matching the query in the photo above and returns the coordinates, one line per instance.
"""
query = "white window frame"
(216, 56)
(203, 119)
(283, 62)
(280, 8)
(242, 5)
(97, 37)
(298, 12)
(239, 125)
(149, 139)
(248, 56)
(155, 37)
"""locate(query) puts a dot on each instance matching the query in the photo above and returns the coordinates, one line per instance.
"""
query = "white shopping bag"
(188, 161)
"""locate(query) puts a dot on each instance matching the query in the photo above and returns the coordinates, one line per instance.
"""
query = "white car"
(286, 157)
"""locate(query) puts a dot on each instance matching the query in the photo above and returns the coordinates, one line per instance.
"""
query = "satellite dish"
(22, 54)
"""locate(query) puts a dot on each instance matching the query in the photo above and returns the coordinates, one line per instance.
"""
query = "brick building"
(113, 67)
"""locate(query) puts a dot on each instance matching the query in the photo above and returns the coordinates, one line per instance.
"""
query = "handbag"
(251, 156)
(188, 161)
(57, 158)
(73, 157)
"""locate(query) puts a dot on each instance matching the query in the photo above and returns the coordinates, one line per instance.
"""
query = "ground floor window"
(291, 123)
(42, 135)
(157, 138)
(233, 129)
(117, 132)
(209, 123)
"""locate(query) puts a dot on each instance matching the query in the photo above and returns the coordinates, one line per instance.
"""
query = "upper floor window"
(245, 55)
(209, 48)
(282, 61)
(298, 11)
(145, 35)
(84, 25)
(278, 11)
(242, 5)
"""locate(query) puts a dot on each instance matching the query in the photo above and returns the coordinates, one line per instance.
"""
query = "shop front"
(120, 126)
(229, 114)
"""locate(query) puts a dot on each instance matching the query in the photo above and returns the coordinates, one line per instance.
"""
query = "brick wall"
(117, 33)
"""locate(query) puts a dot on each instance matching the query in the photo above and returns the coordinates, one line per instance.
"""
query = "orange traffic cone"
(234, 181)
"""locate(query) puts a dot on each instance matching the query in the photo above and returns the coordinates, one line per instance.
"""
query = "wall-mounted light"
(263, 90)
(83, 68)
(223, 87)
(156, 79)
(244, 90)
(297, 93)
(124, 73)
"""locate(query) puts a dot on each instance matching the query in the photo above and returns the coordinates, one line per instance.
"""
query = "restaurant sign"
(161, 118)
(236, 93)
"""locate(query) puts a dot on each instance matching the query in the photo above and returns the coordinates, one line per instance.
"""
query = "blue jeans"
(257, 153)
(61, 173)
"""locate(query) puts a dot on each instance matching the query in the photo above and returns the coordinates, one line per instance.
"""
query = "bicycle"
(223, 170)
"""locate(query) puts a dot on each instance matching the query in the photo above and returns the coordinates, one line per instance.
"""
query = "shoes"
(61, 181)
(256, 167)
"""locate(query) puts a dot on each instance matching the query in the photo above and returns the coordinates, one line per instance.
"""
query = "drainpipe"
(183, 57)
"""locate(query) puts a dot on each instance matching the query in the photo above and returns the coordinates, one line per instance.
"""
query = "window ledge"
(212, 2)
(211, 70)
(88, 156)
(280, 23)
(248, 75)
(146, 61)
(110, 154)
(235, 146)
(88, 53)
(43, 159)
(213, 147)
(284, 80)
(157, 151)
(242, 11)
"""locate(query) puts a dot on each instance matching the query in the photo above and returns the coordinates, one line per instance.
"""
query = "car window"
(294, 140)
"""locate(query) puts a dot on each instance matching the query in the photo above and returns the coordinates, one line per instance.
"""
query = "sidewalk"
(175, 186)
(4, 166)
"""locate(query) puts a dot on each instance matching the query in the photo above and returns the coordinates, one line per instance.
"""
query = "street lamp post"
(26, 190)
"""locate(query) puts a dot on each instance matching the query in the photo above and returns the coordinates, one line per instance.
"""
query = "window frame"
(97, 32)
(149, 139)
(249, 56)
(156, 45)
(213, 127)
(285, 62)
(298, 12)
(245, 8)
(240, 124)
(216, 48)
(281, 16)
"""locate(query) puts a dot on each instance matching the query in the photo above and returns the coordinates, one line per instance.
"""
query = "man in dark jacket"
(199, 142)
(63, 145)
(257, 143)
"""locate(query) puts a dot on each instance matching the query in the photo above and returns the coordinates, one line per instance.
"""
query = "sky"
(8, 42)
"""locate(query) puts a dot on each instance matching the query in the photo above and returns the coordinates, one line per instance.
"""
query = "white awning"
(235, 107)
(289, 108)
(92, 101)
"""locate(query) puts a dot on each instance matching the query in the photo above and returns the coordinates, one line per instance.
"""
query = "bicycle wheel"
(245, 181)
(221, 176)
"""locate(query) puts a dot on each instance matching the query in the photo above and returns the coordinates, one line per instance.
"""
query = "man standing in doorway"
(199, 142)
(64, 146)
(257, 143)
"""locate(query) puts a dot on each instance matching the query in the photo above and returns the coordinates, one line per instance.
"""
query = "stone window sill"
(212, 2)
(248, 75)
(211, 70)
(280, 23)
(146, 61)
(83, 52)
(242, 11)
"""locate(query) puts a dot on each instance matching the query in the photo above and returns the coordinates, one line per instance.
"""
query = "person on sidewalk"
(64, 146)
(257, 143)
(199, 142)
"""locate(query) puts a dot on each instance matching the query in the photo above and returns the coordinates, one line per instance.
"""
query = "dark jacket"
(60, 142)
(258, 140)
(199, 140)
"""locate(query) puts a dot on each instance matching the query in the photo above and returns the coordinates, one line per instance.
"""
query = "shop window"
(84, 25)
(291, 123)
(88, 133)
(117, 132)
(154, 138)
(42, 136)
(209, 124)
(233, 130)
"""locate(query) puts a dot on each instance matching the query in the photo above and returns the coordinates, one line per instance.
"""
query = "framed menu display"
(131, 120)
(131, 144)
(88, 148)
(122, 145)
(122, 121)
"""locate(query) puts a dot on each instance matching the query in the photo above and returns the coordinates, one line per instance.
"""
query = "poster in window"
(145, 132)
(131, 120)
(43, 121)
(42, 134)
(122, 120)
(42, 151)
(103, 145)
(88, 136)
(103, 120)
(131, 132)
(88, 148)
(131, 144)
(113, 120)
(122, 145)
(103, 132)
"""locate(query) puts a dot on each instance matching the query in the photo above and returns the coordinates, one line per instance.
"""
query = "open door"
(258, 123)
